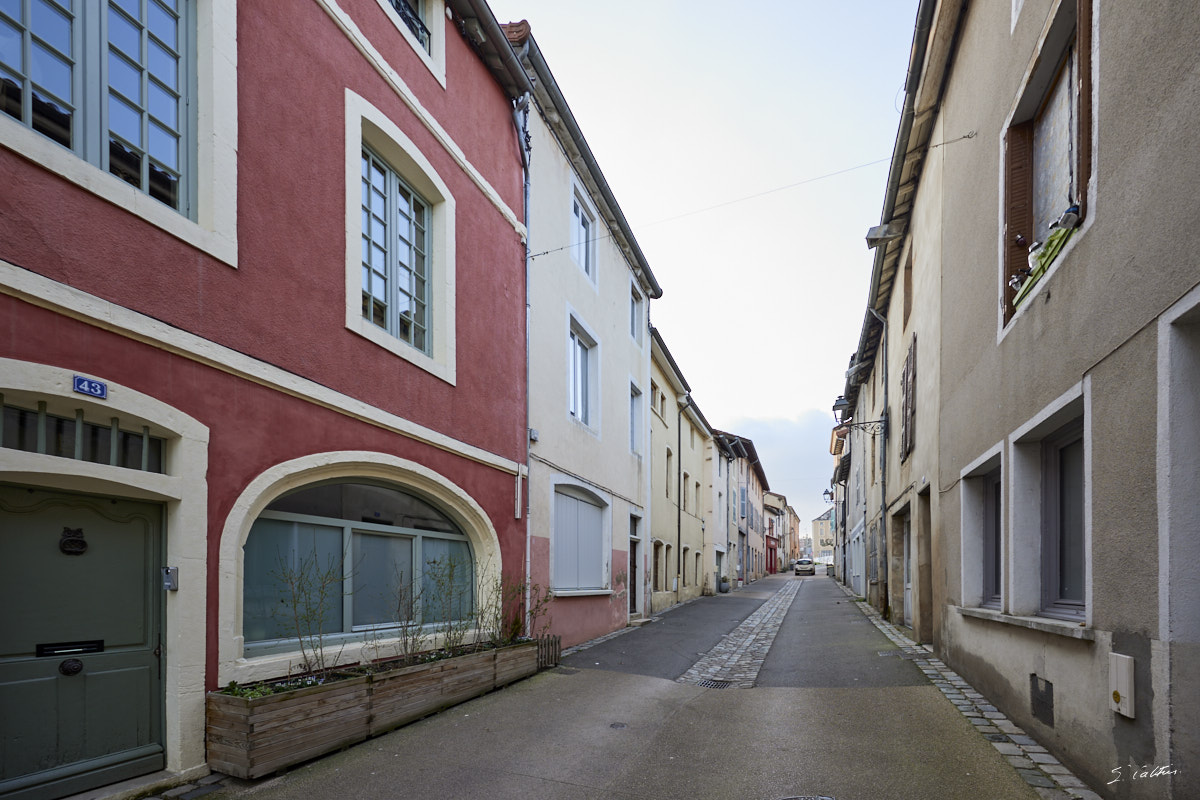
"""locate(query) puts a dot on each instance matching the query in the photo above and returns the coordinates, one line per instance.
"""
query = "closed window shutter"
(579, 561)
(908, 399)
(1083, 150)
(1018, 203)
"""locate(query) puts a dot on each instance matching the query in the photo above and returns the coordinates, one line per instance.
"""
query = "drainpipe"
(883, 434)
(520, 116)
(687, 401)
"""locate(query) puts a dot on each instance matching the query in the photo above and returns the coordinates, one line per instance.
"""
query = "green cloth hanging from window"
(1044, 257)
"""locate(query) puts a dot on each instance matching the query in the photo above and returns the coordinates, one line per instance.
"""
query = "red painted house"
(262, 293)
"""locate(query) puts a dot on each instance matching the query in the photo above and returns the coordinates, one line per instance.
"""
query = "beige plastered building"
(589, 376)
(679, 437)
(1045, 481)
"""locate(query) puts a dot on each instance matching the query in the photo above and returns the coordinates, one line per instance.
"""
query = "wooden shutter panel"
(912, 394)
(908, 401)
(1018, 206)
(1083, 149)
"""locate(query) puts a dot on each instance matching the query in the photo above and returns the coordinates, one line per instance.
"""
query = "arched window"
(349, 558)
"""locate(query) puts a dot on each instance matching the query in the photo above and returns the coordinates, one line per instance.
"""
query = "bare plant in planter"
(256, 730)
(308, 587)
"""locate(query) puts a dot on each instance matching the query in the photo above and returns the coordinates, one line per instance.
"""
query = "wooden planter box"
(249, 738)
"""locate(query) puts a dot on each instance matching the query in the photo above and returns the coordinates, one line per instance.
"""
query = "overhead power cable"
(728, 203)
(755, 196)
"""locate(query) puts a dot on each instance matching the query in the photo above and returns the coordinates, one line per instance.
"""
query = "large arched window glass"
(352, 558)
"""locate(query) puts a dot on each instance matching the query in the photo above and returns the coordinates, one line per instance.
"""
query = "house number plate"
(91, 388)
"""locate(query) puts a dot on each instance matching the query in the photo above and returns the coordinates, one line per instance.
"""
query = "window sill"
(1071, 630)
(582, 592)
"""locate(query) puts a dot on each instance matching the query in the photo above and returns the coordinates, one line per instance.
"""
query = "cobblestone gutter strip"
(739, 656)
(1050, 779)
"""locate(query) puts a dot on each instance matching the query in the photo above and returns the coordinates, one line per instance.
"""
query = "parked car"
(805, 566)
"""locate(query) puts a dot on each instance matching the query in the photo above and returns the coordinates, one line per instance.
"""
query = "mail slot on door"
(70, 648)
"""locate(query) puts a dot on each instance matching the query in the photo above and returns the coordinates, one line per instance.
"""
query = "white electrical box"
(1120, 684)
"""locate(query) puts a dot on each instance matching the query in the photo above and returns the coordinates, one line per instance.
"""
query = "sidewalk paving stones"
(1032, 762)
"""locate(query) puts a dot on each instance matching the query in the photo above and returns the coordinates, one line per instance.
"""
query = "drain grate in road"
(808, 797)
(898, 654)
(715, 684)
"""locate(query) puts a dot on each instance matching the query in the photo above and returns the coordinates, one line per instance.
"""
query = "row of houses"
(345, 285)
(1016, 465)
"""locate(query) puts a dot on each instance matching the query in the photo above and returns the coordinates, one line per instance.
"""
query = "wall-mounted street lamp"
(841, 409)
(828, 495)
(872, 427)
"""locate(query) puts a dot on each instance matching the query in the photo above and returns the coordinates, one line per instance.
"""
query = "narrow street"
(782, 689)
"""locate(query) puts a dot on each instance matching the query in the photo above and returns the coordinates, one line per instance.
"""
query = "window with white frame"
(1047, 153)
(582, 225)
(635, 314)
(412, 13)
(580, 562)
(395, 254)
(993, 553)
(581, 364)
(635, 419)
(683, 489)
(1063, 555)
(400, 252)
(114, 85)
(1046, 469)
(364, 557)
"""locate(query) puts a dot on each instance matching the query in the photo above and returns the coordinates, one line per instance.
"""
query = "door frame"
(93, 773)
(183, 491)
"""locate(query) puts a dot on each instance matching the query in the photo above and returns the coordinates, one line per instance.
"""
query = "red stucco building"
(262, 288)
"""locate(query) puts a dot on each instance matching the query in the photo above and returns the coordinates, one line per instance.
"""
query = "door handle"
(71, 666)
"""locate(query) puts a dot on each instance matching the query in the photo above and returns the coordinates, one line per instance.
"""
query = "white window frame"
(583, 374)
(583, 235)
(434, 15)
(1178, 468)
(635, 418)
(1059, 35)
(972, 527)
(367, 126)
(1025, 507)
(636, 313)
(213, 227)
(350, 530)
(402, 246)
(581, 492)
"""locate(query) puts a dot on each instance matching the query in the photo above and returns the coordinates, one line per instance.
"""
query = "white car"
(805, 566)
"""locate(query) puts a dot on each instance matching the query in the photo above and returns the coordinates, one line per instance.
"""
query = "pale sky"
(703, 117)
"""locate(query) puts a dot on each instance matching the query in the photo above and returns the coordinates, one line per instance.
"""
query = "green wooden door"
(80, 682)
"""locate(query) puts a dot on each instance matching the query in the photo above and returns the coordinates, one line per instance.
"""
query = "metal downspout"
(679, 496)
(521, 123)
(883, 436)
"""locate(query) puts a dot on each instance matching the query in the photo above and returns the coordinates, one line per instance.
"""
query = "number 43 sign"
(91, 388)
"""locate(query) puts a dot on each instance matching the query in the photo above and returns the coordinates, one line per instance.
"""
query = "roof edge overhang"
(520, 39)
(934, 36)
